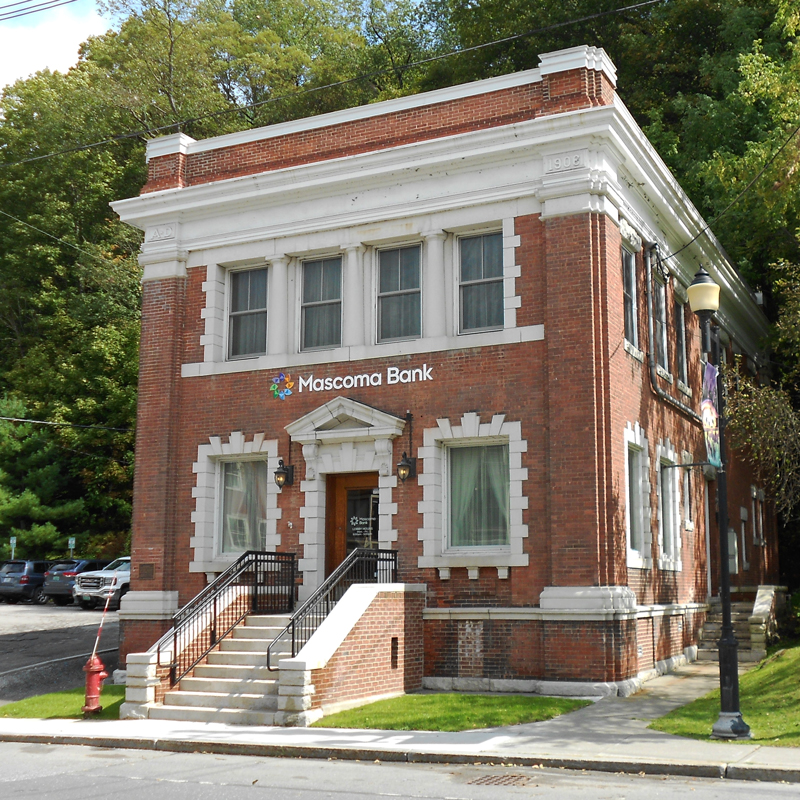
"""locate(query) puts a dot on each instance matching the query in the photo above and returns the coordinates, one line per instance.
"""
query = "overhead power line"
(176, 126)
(65, 424)
(30, 8)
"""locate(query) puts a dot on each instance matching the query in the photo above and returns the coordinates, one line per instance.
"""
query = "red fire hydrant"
(95, 675)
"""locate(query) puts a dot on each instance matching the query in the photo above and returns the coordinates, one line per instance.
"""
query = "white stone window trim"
(511, 271)
(634, 438)
(206, 543)
(228, 290)
(631, 245)
(432, 534)
(373, 313)
(665, 456)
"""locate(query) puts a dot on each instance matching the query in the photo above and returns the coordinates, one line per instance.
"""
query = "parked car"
(92, 588)
(23, 580)
(60, 578)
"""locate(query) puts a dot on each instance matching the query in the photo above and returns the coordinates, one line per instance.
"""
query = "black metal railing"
(360, 566)
(256, 583)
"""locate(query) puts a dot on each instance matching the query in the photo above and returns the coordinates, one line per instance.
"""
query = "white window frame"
(757, 507)
(379, 295)
(628, 258)
(669, 535)
(501, 279)
(206, 543)
(435, 551)
(635, 441)
(446, 504)
(263, 531)
(686, 488)
(733, 551)
(314, 304)
(682, 365)
(660, 327)
(229, 313)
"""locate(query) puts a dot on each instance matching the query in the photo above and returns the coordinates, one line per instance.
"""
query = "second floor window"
(481, 282)
(629, 297)
(399, 294)
(680, 342)
(247, 334)
(322, 304)
(660, 324)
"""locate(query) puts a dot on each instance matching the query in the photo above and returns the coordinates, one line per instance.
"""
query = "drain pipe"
(651, 359)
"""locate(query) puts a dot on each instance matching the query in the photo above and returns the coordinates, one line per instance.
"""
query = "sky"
(48, 39)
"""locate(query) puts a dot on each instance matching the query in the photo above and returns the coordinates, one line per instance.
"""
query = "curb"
(716, 770)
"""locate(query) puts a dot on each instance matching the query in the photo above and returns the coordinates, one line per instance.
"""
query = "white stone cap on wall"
(590, 598)
(148, 605)
(337, 625)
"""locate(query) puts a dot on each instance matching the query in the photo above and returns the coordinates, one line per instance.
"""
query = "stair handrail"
(256, 581)
(310, 615)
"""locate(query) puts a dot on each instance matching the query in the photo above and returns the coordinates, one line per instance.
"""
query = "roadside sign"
(13, 545)
(71, 543)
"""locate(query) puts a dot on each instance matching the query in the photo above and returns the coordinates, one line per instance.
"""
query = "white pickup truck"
(93, 588)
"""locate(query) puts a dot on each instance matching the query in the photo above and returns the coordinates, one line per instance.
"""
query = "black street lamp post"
(704, 301)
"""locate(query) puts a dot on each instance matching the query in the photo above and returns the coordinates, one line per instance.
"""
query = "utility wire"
(34, 9)
(65, 424)
(311, 90)
(738, 197)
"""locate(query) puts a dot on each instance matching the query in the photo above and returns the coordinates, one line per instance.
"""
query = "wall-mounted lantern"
(284, 475)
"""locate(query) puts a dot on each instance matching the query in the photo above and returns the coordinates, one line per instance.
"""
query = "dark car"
(23, 580)
(60, 578)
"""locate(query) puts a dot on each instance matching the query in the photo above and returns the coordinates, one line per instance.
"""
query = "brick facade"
(557, 382)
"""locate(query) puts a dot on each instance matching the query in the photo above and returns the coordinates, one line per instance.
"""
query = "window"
(399, 294)
(743, 521)
(733, 552)
(478, 490)
(629, 297)
(669, 528)
(636, 538)
(247, 332)
(244, 505)
(680, 342)
(481, 282)
(757, 507)
(688, 511)
(637, 498)
(322, 304)
(660, 331)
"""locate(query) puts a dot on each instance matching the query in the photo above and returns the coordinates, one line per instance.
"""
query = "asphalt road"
(55, 772)
(43, 648)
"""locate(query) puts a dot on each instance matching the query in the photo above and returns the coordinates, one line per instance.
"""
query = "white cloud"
(46, 40)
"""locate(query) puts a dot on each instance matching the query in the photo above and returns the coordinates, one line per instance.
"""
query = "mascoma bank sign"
(463, 281)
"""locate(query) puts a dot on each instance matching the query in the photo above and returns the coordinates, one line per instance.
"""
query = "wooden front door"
(351, 516)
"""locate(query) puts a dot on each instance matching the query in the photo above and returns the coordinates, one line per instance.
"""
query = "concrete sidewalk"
(610, 735)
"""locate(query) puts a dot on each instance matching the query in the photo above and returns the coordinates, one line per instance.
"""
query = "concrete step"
(253, 645)
(230, 716)
(264, 620)
(234, 672)
(255, 702)
(744, 656)
(229, 685)
(265, 632)
(238, 658)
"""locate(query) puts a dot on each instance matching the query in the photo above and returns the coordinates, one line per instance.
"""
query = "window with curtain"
(478, 495)
(668, 519)
(399, 294)
(481, 282)
(322, 304)
(244, 505)
(636, 537)
(247, 332)
(629, 297)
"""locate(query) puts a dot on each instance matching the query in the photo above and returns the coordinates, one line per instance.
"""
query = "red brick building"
(477, 277)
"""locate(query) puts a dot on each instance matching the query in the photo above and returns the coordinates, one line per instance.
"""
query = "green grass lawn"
(451, 712)
(65, 705)
(769, 698)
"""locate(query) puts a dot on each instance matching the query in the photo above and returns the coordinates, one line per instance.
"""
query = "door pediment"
(344, 420)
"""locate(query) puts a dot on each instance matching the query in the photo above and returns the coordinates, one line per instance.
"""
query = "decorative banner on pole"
(708, 410)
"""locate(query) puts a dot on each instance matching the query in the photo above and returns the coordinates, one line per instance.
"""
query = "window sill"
(637, 561)
(662, 373)
(684, 389)
(631, 349)
(670, 565)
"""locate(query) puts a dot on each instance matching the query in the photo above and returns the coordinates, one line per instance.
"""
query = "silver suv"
(93, 588)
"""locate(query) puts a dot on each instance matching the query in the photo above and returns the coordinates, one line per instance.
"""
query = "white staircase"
(233, 684)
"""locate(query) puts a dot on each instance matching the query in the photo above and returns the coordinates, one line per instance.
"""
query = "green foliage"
(769, 699)
(451, 712)
(65, 705)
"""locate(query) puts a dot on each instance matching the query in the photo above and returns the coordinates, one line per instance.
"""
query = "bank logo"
(282, 386)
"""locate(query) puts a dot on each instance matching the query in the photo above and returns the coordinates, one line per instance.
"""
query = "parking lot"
(43, 648)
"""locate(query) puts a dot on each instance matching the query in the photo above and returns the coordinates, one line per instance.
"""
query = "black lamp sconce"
(284, 475)
(407, 468)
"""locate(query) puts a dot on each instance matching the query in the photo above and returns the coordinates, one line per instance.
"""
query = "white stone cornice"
(169, 145)
(576, 58)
